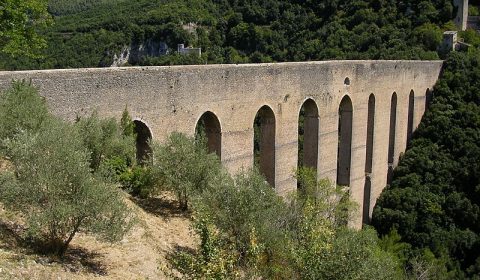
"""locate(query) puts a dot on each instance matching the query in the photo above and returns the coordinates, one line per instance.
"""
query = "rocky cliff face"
(134, 53)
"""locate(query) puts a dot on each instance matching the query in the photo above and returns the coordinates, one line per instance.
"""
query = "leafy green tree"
(106, 139)
(184, 166)
(52, 186)
(19, 24)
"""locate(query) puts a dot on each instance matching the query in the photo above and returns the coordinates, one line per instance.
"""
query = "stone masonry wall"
(173, 98)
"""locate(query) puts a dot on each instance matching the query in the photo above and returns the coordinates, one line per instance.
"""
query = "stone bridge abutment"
(347, 112)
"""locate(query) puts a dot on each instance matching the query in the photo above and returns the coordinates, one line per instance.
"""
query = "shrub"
(184, 166)
(53, 187)
(214, 259)
(21, 109)
(106, 139)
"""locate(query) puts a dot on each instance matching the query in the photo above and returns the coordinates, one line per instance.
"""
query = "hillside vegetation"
(88, 33)
(434, 199)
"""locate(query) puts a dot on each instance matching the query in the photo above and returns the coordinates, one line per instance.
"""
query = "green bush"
(139, 181)
(106, 139)
(184, 166)
(214, 259)
(52, 186)
(302, 238)
(21, 109)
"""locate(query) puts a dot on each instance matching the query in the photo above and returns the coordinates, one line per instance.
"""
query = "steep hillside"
(434, 199)
(90, 33)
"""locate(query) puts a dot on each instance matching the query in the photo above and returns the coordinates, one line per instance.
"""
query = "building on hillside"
(451, 42)
(189, 50)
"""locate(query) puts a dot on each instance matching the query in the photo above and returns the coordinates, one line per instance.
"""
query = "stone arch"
(209, 125)
(428, 98)
(264, 142)
(391, 135)
(143, 138)
(345, 118)
(369, 159)
(308, 134)
(411, 111)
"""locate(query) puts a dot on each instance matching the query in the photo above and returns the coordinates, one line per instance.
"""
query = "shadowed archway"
(391, 136)
(345, 118)
(264, 143)
(143, 138)
(308, 126)
(411, 110)
(369, 159)
(209, 126)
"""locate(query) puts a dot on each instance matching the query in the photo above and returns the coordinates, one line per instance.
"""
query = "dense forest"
(88, 33)
(434, 199)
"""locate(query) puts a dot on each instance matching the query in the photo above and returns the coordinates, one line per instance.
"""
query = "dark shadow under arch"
(308, 127)
(345, 118)
(391, 135)
(264, 143)
(428, 98)
(209, 125)
(369, 159)
(411, 111)
(366, 200)
(143, 138)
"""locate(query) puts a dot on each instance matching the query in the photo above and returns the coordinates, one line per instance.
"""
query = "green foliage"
(127, 124)
(88, 33)
(19, 23)
(52, 186)
(138, 181)
(212, 261)
(473, 10)
(21, 109)
(106, 139)
(244, 226)
(434, 200)
(184, 166)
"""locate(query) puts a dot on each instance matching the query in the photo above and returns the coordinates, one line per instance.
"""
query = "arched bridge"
(358, 115)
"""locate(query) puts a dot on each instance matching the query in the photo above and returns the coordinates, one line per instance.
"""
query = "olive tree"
(184, 166)
(53, 187)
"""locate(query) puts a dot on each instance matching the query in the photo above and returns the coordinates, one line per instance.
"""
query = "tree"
(52, 186)
(19, 24)
(185, 166)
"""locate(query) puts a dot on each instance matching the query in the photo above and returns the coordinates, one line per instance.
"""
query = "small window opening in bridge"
(391, 136)
(208, 126)
(143, 138)
(346, 81)
(369, 159)
(428, 98)
(345, 113)
(411, 110)
(308, 122)
(264, 143)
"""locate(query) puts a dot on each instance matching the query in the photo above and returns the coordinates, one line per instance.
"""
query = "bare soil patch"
(162, 229)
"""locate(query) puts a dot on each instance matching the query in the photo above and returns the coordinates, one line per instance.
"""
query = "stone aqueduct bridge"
(358, 114)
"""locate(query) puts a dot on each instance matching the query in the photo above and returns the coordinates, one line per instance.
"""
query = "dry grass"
(162, 228)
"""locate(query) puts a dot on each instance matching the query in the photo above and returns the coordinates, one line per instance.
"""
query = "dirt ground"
(161, 230)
